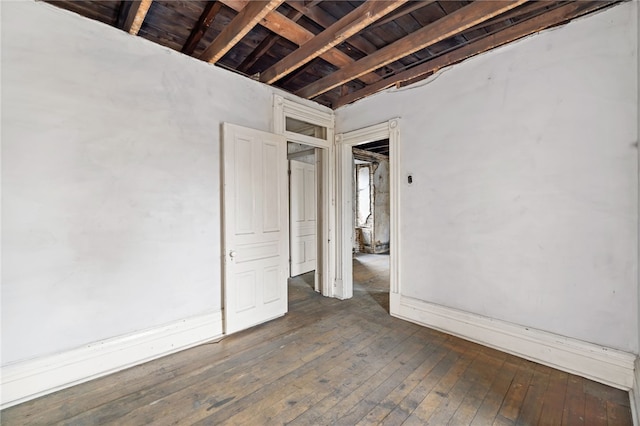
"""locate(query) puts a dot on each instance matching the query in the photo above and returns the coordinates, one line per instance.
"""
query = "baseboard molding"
(634, 395)
(605, 365)
(32, 378)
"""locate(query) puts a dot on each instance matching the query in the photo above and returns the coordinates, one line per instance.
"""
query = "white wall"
(635, 392)
(525, 170)
(110, 180)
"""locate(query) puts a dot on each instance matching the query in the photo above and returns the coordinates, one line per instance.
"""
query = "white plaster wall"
(525, 168)
(381, 206)
(110, 180)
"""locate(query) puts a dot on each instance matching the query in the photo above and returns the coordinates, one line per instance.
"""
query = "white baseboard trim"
(634, 395)
(32, 378)
(605, 365)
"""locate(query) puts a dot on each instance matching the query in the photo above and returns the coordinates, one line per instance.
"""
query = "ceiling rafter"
(243, 22)
(439, 30)
(266, 44)
(332, 51)
(206, 19)
(407, 9)
(299, 35)
(519, 30)
(519, 12)
(123, 11)
(324, 19)
(350, 24)
(450, 6)
(135, 17)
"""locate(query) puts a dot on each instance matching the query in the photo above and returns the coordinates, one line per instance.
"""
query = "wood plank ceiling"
(334, 52)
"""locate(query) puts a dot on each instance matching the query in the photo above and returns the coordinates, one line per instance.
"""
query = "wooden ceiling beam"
(239, 26)
(135, 17)
(324, 19)
(403, 12)
(123, 10)
(266, 44)
(520, 11)
(521, 29)
(279, 24)
(271, 39)
(206, 19)
(443, 28)
(359, 18)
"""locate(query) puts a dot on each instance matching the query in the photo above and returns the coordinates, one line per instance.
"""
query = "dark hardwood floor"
(334, 362)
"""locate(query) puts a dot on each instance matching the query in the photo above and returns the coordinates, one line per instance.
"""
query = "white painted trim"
(634, 394)
(344, 219)
(283, 108)
(395, 181)
(344, 212)
(365, 135)
(32, 378)
(307, 140)
(605, 365)
(286, 108)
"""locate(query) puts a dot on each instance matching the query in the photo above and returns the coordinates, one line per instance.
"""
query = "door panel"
(255, 227)
(303, 217)
(272, 191)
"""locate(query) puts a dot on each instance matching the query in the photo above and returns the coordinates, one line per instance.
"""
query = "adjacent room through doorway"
(302, 208)
(371, 227)
(303, 196)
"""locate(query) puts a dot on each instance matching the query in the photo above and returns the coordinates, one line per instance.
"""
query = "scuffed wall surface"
(110, 180)
(525, 167)
(381, 206)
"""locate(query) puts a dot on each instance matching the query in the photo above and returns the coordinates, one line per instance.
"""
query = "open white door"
(302, 193)
(255, 235)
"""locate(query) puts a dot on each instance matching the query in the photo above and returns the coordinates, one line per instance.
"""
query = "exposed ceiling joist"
(441, 29)
(522, 29)
(208, 15)
(266, 44)
(369, 155)
(350, 24)
(299, 35)
(315, 14)
(365, 45)
(244, 22)
(294, 15)
(135, 17)
(378, 147)
(528, 8)
(272, 38)
(324, 19)
(407, 9)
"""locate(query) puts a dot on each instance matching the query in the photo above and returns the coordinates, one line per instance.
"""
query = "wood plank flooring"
(334, 362)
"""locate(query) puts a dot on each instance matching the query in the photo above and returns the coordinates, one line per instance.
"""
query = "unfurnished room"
(319, 212)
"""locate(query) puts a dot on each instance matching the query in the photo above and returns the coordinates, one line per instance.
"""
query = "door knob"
(232, 254)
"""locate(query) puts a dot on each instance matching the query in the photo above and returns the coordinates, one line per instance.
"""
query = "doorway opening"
(306, 129)
(371, 225)
(303, 211)
(380, 139)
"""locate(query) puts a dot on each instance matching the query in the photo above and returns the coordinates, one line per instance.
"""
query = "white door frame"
(344, 226)
(325, 172)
